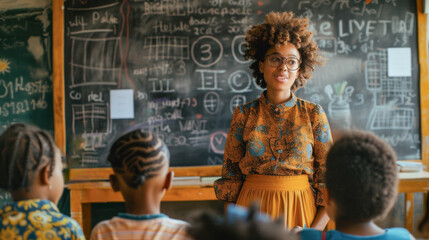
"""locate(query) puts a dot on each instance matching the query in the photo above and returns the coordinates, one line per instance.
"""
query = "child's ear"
(44, 175)
(331, 206)
(168, 179)
(114, 182)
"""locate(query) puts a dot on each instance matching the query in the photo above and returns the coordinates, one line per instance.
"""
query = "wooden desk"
(410, 183)
(83, 194)
(92, 186)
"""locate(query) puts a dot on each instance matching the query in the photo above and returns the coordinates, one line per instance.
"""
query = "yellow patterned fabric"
(36, 219)
(283, 140)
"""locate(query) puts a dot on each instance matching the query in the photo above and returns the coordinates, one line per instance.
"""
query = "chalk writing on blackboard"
(184, 61)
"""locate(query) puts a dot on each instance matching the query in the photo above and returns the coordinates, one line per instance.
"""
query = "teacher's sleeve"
(322, 144)
(228, 187)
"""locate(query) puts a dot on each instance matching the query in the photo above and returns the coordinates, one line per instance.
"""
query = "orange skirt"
(287, 196)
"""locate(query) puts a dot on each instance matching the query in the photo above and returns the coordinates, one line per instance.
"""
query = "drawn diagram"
(91, 118)
(86, 69)
(166, 47)
(209, 79)
(212, 103)
(89, 158)
(389, 93)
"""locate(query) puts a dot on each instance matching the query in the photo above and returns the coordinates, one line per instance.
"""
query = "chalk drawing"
(236, 101)
(209, 79)
(212, 103)
(91, 118)
(86, 69)
(209, 49)
(217, 142)
(390, 94)
(166, 47)
(237, 47)
(240, 81)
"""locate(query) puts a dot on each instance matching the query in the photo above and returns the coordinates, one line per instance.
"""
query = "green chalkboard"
(25, 66)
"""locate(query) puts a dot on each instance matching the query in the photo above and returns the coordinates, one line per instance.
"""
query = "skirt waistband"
(278, 183)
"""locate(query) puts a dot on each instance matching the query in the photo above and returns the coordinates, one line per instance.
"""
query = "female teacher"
(277, 144)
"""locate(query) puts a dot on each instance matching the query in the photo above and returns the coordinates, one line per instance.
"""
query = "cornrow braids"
(278, 29)
(138, 156)
(23, 151)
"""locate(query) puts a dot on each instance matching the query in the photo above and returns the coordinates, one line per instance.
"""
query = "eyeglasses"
(275, 60)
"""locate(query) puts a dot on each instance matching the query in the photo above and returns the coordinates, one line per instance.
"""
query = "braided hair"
(138, 156)
(23, 151)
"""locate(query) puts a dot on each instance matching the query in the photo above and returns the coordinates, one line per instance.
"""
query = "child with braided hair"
(140, 162)
(31, 170)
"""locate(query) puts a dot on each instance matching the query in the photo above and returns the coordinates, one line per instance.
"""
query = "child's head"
(30, 163)
(138, 157)
(247, 225)
(361, 177)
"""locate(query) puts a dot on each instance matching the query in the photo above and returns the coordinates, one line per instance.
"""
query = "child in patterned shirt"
(31, 170)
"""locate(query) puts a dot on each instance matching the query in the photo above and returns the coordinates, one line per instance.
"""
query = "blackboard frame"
(59, 98)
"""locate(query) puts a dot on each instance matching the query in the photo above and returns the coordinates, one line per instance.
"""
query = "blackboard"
(183, 60)
(25, 66)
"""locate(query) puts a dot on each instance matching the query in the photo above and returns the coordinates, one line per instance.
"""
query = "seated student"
(31, 170)
(140, 162)
(239, 224)
(361, 181)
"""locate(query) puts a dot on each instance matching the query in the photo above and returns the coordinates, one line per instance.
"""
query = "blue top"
(37, 219)
(391, 234)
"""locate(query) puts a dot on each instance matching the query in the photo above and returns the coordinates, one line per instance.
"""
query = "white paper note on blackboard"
(122, 104)
(399, 62)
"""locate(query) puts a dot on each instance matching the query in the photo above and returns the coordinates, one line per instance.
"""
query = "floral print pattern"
(37, 219)
(285, 140)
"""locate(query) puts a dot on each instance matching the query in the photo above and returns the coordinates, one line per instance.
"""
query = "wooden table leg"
(76, 206)
(425, 209)
(409, 209)
(86, 217)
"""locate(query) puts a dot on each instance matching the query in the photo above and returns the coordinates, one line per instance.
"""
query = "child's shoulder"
(391, 233)
(398, 233)
(310, 233)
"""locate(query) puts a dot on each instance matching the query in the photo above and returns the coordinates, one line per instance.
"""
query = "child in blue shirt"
(31, 170)
(361, 181)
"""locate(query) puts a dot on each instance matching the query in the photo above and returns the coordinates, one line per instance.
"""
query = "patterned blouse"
(288, 139)
(37, 219)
